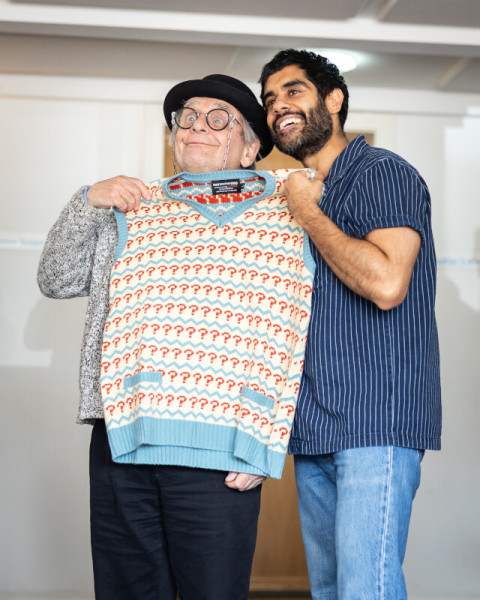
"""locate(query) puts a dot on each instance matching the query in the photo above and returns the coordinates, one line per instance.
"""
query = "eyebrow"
(285, 86)
(218, 104)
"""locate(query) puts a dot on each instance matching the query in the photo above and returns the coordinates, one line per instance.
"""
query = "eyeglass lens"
(217, 119)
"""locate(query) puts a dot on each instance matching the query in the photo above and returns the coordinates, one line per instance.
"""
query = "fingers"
(231, 477)
(304, 186)
(298, 174)
(309, 174)
(243, 481)
(121, 192)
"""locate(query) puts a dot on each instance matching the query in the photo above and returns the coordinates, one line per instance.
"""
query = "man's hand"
(121, 192)
(243, 481)
(303, 195)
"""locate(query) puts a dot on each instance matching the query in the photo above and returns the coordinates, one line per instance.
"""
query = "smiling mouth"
(197, 143)
(288, 122)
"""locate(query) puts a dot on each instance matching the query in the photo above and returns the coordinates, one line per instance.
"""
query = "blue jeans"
(355, 508)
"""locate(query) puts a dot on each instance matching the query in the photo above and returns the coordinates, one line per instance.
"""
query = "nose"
(279, 105)
(200, 123)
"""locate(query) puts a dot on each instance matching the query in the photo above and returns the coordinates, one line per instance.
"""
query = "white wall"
(59, 133)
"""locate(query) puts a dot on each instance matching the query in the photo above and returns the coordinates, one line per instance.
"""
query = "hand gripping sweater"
(209, 310)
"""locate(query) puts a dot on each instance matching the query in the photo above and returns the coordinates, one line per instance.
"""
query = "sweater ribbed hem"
(193, 444)
(250, 450)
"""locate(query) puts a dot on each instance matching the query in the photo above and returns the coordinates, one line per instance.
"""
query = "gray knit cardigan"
(77, 260)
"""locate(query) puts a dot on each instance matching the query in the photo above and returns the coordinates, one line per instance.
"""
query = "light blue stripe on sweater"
(257, 397)
(147, 376)
(122, 232)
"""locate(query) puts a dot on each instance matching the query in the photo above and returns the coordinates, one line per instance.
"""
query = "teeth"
(289, 121)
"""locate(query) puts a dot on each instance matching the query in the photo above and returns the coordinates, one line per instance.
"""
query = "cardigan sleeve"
(67, 259)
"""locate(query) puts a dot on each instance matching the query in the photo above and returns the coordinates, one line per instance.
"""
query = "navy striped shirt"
(371, 377)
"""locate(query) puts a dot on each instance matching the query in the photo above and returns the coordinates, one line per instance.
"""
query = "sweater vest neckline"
(232, 210)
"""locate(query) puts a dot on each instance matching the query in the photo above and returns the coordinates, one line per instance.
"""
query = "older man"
(196, 325)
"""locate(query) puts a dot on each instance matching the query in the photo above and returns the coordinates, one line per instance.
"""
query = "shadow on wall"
(446, 516)
(476, 250)
(45, 515)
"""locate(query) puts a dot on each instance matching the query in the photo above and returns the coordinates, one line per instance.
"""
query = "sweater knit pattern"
(209, 309)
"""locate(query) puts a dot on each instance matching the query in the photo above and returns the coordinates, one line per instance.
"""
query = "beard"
(317, 130)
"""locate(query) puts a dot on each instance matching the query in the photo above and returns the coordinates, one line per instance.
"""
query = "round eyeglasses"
(217, 119)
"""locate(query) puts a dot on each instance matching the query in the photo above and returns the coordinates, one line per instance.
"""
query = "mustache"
(299, 113)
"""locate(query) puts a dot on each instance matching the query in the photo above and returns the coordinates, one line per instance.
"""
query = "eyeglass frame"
(231, 118)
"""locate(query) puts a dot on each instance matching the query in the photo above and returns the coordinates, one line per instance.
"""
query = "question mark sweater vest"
(209, 309)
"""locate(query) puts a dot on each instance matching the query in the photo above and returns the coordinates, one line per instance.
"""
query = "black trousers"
(159, 530)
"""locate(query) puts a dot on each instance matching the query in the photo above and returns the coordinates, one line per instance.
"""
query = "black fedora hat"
(230, 90)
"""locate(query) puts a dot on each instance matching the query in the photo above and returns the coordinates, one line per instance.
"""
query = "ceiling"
(412, 44)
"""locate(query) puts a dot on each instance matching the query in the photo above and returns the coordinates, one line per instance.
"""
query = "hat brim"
(247, 105)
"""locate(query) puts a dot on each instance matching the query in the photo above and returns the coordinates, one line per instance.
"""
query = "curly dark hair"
(319, 70)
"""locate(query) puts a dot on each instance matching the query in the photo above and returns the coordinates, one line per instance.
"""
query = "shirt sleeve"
(389, 194)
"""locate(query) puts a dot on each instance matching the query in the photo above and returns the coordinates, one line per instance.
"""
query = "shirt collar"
(345, 159)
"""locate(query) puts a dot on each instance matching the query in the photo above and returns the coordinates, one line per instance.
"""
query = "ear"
(249, 154)
(334, 101)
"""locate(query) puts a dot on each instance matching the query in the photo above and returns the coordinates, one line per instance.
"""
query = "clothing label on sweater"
(227, 186)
